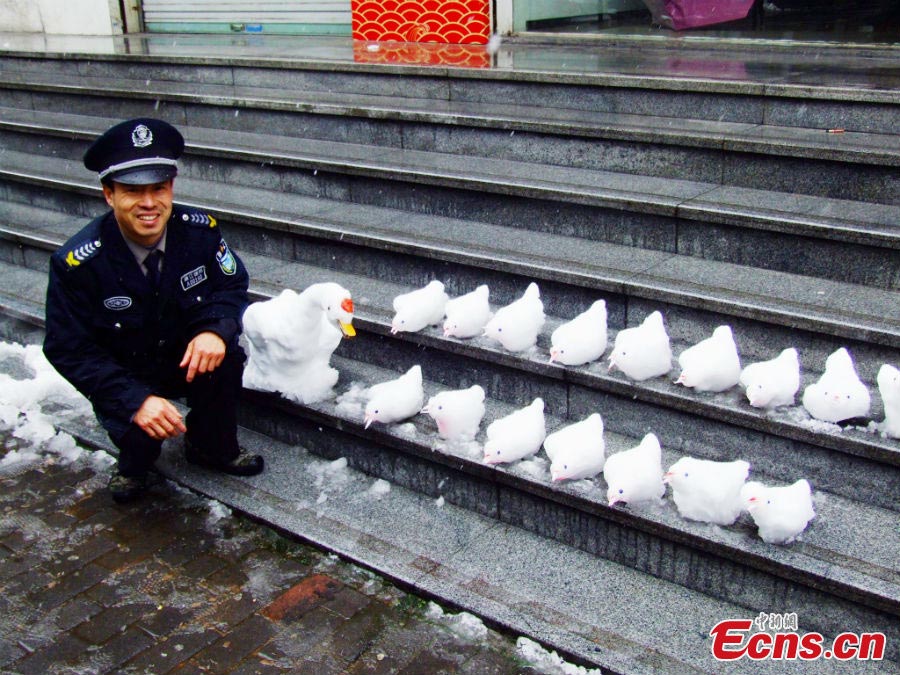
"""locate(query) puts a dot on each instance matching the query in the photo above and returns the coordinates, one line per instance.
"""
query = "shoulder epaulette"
(199, 218)
(81, 253)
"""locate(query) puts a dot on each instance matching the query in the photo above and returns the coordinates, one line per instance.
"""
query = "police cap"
(141, 151)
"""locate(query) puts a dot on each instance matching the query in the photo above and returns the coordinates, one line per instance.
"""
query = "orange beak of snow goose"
(347, 328)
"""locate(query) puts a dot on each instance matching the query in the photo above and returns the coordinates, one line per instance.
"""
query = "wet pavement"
(176, 583)
(708, 64)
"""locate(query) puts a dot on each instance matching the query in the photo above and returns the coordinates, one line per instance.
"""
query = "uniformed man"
(144, 305)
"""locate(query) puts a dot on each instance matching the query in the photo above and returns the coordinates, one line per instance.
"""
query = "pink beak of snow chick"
(667, 477)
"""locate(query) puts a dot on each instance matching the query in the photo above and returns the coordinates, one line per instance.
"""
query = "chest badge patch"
(194, 277)
(117, 303)
(227, 263)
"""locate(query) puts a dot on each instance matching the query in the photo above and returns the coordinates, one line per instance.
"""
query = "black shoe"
(244, 464)
(125, 489)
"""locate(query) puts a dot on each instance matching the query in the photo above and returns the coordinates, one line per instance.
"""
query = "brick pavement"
(176, 584)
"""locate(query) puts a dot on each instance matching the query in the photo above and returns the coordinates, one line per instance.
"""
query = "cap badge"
(141, 137)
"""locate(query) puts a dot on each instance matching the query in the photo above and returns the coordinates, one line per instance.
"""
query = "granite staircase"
(769, 206)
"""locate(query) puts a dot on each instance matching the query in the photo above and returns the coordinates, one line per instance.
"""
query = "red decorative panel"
(457, 22)
(431, 54)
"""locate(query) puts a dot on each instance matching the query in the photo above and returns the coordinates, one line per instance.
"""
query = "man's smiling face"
(142, 211)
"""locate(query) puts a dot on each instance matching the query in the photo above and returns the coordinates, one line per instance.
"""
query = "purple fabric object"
(681, 14)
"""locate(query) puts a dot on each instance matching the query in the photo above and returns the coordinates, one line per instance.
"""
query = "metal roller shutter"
(289, 17)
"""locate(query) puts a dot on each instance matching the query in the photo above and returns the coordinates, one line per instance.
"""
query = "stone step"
(847, 165)
(857, 96)
(380, 286)
(858, 469)
(529, 585)
(764, 307)
(852, 461)
(859, 452)
(858, 570)
(842, 240)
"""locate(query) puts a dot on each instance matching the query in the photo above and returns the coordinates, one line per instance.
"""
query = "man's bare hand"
(204, 354)
(159, 418)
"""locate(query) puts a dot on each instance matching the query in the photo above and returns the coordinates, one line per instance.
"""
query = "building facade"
(835, 21)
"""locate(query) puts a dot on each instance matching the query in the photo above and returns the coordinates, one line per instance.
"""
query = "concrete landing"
(867, 73)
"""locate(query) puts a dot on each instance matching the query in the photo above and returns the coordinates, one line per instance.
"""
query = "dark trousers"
(211, 423)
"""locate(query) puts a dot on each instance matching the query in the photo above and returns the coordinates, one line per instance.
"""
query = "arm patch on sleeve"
(82, 253)
(225, 258)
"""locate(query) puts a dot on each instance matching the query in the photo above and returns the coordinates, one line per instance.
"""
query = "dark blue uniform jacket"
(111, 335)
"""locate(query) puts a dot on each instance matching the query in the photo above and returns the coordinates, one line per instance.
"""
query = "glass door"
(861, 22)
(556, 15)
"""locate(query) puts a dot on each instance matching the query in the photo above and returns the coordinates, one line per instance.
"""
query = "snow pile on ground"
(379, 489)
(217, 511)
(534, 467)
(798, 415)
(33, 402)
(549, 663)
(352, 402)
(329, 477)
(461, 448)
(329, 474)
(467, 627)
